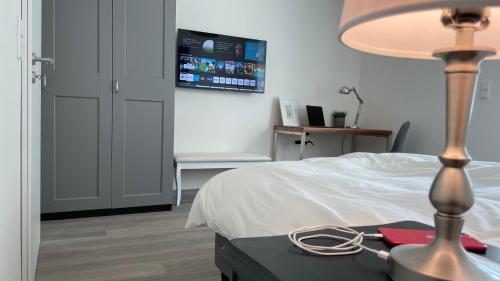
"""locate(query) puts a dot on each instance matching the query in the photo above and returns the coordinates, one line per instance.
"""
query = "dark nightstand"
(276, 259)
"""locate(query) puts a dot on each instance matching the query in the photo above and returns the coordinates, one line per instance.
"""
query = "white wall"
(397, 90)
(304, 60)
(10, 143)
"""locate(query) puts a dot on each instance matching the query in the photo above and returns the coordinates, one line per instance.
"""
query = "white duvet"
(354, 189)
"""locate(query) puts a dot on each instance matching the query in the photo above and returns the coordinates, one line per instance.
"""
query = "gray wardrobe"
(108, 105)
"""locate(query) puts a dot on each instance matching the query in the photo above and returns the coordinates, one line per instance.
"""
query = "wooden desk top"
(327, 130)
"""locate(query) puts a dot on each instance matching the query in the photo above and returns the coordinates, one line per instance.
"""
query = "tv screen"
(220, 62)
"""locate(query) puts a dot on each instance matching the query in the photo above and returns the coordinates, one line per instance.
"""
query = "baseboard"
(104, 212)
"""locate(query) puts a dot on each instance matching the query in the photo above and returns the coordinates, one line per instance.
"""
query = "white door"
(19, 141)
(10, 140)
(33, 141)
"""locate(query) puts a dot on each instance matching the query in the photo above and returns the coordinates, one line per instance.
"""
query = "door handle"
(115, 86)
(36, 59)
(42, 77)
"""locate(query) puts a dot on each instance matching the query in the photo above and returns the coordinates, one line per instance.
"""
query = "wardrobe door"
(143, 102)
(76, 105)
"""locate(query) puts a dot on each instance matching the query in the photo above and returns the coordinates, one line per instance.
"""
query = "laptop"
(315, 116)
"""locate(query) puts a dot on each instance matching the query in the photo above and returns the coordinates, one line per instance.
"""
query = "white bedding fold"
(354, 189)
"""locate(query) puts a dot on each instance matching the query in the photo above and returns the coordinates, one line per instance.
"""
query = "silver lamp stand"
(451, 193)
(348, 91)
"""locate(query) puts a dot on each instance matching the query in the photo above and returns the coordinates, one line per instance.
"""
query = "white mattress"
(355, 189)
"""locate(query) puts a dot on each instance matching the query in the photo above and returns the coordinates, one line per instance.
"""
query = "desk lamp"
(348, 91)
(462, 33)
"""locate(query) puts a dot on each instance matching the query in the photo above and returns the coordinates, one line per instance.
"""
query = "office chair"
(399, 142)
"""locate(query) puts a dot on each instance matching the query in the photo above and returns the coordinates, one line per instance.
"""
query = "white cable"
(348, 246)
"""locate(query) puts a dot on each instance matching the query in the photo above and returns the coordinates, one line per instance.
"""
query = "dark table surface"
(275, 258)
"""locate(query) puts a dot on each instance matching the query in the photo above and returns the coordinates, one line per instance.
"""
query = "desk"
(303, 131)
(275, 258)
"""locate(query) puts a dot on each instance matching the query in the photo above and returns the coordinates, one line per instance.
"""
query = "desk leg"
(275, 146)
(353, 145)
(302, 145)
(178, 183)
(388, 144)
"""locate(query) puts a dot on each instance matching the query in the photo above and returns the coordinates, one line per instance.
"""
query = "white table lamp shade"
(410, 28)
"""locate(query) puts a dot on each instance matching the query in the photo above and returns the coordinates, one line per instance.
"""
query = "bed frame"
(225, 271)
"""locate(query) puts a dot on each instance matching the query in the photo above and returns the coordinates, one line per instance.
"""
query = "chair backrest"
(399, 142)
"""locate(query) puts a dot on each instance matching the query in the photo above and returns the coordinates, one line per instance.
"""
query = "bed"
(354, 189)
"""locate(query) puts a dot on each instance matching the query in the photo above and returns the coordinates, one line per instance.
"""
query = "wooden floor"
(139, 247)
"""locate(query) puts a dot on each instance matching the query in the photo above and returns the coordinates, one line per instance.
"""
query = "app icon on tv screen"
(220, 62)
(206, 65)
(255, 51)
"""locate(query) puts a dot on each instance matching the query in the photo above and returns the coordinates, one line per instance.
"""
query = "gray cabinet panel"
(144, 35)
(142, 163)
(143, 108)
(76, 105)
(76, 157)
(76, 25)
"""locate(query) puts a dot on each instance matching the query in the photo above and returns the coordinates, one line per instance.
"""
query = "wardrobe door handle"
(115, 86)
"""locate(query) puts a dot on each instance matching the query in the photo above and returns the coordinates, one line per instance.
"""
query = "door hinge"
(20, 38)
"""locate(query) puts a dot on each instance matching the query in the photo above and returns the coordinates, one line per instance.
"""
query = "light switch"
(484, 90)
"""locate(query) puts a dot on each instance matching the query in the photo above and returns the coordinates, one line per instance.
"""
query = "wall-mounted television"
(220, 62)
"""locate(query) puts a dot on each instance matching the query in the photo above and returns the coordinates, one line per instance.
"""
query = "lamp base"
(413, 263)
(443, 259)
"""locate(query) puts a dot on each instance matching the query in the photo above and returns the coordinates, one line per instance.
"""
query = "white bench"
(200, 161)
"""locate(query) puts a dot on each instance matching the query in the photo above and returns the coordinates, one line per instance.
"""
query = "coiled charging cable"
(348, 246)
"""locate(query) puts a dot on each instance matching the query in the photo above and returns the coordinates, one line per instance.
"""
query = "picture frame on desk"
(289, 113)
